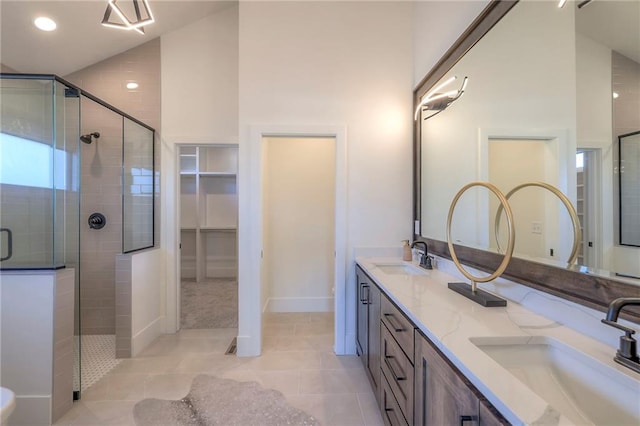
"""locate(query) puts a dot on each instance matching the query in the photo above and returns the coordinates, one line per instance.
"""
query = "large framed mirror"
(542, 103)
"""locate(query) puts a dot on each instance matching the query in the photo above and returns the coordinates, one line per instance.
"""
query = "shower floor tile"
(98, 358)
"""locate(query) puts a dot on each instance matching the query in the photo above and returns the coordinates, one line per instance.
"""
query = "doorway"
(252, 289)
(208, 236)
(588, 176)
(298, 265)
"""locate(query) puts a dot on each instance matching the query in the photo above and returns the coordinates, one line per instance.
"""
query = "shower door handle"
(9, 244)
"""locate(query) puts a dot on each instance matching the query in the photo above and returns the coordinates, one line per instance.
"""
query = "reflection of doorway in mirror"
(516, 161)
(587, 178)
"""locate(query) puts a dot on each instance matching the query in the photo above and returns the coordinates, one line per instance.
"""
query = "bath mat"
(216, 401)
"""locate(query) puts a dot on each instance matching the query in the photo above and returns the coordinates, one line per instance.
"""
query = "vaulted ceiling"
(80, 40)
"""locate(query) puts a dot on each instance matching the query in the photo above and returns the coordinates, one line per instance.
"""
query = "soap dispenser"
(406, 251)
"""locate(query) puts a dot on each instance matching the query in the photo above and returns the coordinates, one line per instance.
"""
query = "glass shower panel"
(27, 174)
(138, 191)
(66, 175)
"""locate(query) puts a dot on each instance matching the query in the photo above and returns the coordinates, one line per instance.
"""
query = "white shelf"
(209, 211)
(218, 174)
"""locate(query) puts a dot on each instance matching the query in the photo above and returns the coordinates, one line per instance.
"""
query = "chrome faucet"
(425, 259)
(627, 354)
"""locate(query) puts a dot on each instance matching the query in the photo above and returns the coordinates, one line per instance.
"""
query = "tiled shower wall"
(100, 192)
(107, 80)
(626, 119)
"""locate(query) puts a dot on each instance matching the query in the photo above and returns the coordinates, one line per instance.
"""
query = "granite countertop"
(450, 320)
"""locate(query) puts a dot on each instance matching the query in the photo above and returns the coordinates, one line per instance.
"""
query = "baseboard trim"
(300, 304)
(350, 344)
(247, 346)
(144, 337)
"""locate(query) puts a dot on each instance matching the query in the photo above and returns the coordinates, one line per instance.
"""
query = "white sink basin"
(399, 269)
(582, 388)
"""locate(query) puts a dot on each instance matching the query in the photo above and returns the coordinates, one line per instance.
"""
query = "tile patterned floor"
(297, 360)
(98, 358)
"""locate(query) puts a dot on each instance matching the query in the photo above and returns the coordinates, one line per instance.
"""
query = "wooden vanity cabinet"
(396, 361)
(414, 383)
(443, 396)
(368, 328)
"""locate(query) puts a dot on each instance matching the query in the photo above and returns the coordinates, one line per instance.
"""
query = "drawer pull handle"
(391, 319)
(364, 297)
(465, 419)
(396, 376)
(388, 411)
(9, 244)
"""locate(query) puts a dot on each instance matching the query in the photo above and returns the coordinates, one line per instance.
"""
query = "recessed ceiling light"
(44, 23)
(615, 95)
(132, 85)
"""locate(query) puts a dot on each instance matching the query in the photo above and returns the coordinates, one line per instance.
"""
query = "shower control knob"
(97, 221)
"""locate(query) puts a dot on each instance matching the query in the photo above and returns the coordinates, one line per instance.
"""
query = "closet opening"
(208, 213)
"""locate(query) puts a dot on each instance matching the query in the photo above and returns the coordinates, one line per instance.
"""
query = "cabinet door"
(489, 416)
(441, 396)
(374, 339)
(362, 319)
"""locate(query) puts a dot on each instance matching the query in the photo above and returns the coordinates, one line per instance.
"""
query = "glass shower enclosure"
(77, 184)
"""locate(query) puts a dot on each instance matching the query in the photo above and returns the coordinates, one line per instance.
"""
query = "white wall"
(299, 223)
(200, 80)
(436, 26)
(146, 312)
(199, 105)
(337, 63)
(36, 359)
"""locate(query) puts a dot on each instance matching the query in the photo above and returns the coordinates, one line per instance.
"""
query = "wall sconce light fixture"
(438, 102)
(142, 18)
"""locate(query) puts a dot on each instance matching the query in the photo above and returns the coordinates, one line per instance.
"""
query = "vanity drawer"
(391, 413)
(399, 326)
(398, 372)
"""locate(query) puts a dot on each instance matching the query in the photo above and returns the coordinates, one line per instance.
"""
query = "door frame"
(250, 227)
(594, 225)
(171, 220)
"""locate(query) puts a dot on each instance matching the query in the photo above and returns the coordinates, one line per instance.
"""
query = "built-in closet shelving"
(208, 211)
(580, 210)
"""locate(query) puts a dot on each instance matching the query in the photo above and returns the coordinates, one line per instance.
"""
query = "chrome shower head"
(88, 138)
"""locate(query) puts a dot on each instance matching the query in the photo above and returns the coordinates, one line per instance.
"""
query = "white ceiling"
(613, 23)
(80, 40)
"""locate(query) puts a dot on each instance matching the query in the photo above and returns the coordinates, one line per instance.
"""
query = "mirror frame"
(585, 289)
